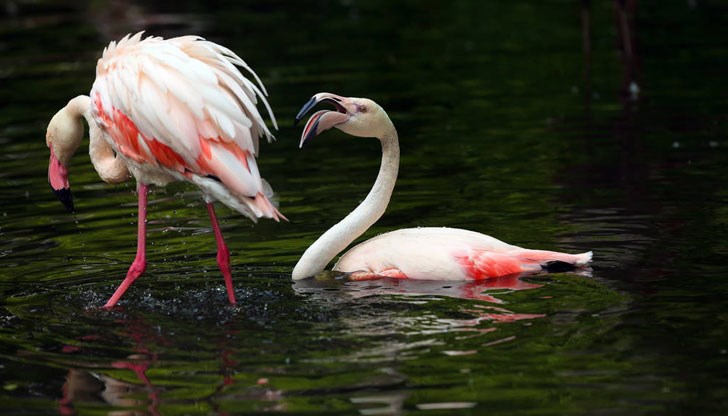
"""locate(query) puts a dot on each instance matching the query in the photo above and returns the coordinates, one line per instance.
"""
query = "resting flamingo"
(169, 110)
(427, 253)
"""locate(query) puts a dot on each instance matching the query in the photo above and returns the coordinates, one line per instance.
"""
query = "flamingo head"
(359, 117)
(63, 137)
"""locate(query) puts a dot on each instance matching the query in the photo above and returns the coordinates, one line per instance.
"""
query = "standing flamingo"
(164, 111)
(427, 253)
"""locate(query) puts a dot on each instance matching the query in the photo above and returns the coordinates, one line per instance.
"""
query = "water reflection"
(153, 370)
(328, 282)
(391, 403)
(395, 336)
(86, 387)
(372, 328)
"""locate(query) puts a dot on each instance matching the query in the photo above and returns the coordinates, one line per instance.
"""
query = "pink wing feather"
(181, 105)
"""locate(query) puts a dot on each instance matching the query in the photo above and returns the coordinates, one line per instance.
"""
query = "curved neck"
(68, 133)
(110, 167)
(65, 130)
(338, 237)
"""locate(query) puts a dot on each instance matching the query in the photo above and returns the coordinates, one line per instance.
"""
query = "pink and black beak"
(324, 119)
(58, 178)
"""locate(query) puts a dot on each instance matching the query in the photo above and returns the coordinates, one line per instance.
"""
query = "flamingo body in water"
(428, 253)
(169, 110)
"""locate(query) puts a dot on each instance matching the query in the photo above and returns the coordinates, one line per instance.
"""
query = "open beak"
(58, 178)
(322, 120)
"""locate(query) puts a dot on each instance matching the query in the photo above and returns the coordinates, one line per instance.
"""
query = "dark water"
(508, 126)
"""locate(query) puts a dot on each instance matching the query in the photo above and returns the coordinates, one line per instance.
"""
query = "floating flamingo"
(417, 253)
(164, 111)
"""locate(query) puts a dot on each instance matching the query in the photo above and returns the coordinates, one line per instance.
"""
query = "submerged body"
(439, 253)
(164, 110)
(412, 253)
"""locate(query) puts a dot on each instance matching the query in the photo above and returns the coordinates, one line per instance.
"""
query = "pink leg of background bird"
(223, 254)
(140, 261)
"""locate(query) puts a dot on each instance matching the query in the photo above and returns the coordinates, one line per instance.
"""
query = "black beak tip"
(305, 109)
(64, 195)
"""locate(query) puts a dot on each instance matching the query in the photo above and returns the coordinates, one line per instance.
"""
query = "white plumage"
(170, 110)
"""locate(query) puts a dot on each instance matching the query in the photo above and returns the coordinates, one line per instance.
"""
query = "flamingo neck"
(65, 130)
(110, 167)
(338, 237)
(65, 133)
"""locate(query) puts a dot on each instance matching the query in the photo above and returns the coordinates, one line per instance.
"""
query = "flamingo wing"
(440, 253)
(182, 105)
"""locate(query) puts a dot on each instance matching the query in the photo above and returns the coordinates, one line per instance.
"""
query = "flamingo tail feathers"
(554, 261)
(483, 264)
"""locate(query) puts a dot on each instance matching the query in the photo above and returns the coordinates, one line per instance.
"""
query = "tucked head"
(359, 117)
(63, 136)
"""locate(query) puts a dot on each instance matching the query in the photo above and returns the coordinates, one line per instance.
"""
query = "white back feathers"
(184, 88)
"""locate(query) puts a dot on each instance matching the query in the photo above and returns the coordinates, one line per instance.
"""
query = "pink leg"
(223, 254)
(140, 262)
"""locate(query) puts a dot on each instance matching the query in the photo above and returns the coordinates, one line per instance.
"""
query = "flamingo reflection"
(92, 383)
(469, 290)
